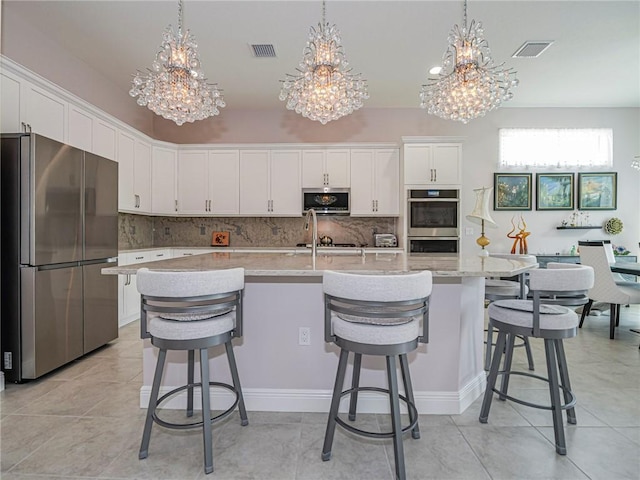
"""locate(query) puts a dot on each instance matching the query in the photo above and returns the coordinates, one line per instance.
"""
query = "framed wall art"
(554, 191)
(597, 191)
(512, 191)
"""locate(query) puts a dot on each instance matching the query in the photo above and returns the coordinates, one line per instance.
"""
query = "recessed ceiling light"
(435, 70)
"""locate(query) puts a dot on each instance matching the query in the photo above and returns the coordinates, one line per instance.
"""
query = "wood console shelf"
(586, 227)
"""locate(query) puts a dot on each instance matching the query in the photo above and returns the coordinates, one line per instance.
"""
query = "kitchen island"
(283, 293)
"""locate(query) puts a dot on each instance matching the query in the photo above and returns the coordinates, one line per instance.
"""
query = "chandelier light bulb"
(175, 87)
(324, 88)
(469, 84)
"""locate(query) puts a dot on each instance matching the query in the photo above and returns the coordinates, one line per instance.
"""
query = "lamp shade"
(481, 210)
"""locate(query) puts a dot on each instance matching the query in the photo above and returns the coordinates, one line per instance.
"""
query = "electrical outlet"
(304, 336)
(202, 230)
(468, 231)
(167, 231)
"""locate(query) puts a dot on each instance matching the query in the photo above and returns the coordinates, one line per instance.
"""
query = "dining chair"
(605, 289)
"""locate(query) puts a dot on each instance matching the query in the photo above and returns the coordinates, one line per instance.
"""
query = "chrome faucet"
(314, 230)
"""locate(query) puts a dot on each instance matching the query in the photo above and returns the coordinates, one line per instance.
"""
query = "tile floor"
(83, 421)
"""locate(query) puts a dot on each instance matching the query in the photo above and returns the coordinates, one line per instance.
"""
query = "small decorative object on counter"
(573, 250)
(220, 239)
(620, 250)
(520, 238)
(613, 226)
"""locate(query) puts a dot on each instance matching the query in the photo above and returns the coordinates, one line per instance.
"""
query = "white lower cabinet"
(128, 296)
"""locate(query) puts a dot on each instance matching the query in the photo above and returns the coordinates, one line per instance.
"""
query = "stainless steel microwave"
(326, 201)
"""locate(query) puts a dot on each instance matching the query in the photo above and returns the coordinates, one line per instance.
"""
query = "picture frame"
(598, 191)
(512, 191)
(555, 191)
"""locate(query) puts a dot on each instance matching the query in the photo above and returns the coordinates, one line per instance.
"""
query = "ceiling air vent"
(263, 50)
(532, 49)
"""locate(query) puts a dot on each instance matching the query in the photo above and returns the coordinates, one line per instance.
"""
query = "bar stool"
(376, 315)
(191, 311)
(499, 289)
(559, 283)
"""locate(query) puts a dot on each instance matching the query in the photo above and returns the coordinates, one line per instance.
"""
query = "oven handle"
(433, 238)
(427, 200)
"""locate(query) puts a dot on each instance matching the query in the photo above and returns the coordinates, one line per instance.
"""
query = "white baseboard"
(291, 400)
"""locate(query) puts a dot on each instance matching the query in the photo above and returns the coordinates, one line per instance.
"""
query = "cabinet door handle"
(176, 205)
(24, 127)
(127, 280)
(29, 127)
(376, 205)
(205, 205)
(435, 174)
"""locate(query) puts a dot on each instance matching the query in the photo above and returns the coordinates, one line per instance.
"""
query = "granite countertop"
(271, 249)
(299, 262)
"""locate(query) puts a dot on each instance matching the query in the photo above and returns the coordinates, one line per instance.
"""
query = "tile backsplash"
(139, 231)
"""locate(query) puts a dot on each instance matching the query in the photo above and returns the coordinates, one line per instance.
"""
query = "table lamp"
(480, 215)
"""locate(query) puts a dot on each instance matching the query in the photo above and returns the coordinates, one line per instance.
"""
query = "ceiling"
(593, 62)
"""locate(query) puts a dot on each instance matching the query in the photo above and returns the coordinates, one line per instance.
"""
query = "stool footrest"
(565, 406)
(186, 426)
(413, 413)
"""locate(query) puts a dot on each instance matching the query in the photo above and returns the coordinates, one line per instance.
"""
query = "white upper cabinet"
(142, 175)
(325, 168)
(28, 107)
(11, 103)
(105, 139)
(45, 113)
(208, 182)
(224, 182)
(193, 182)
(80, 128)
(270, 183)
(375, 182)
(134, 174)
(286, 192)
(432, 164)
(163, 181)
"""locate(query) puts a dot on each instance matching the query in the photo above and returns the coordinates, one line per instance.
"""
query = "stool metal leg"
(508, 360)
(564, 379)
(493, 376)
(554, 393)
(612, 321)
(394, 401)
(487, 354)
(190, 379)
(206, 411)
(335, 404)
(244, 421)
(355, 383)
(527, 347)
(153, 400)
(408, 389)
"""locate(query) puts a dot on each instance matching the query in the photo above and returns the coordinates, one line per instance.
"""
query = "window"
(556, 147)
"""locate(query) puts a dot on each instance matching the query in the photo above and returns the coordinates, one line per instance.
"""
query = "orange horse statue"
(520, 238)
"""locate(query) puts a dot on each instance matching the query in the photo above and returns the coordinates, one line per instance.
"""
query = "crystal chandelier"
(324, 88)
(469, 84)
(176, 87)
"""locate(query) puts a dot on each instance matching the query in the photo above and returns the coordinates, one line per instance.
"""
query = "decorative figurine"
(520, 238)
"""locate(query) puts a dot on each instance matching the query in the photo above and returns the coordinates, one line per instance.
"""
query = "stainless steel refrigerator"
(59, 210)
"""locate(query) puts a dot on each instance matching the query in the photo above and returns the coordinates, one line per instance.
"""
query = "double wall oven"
(433, 221)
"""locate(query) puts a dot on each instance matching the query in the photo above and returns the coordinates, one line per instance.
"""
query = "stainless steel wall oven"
(433, 221)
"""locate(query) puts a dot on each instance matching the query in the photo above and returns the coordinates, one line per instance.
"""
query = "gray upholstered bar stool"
(543, 317)
(501, 289)
(191, 311)
(376, 315)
